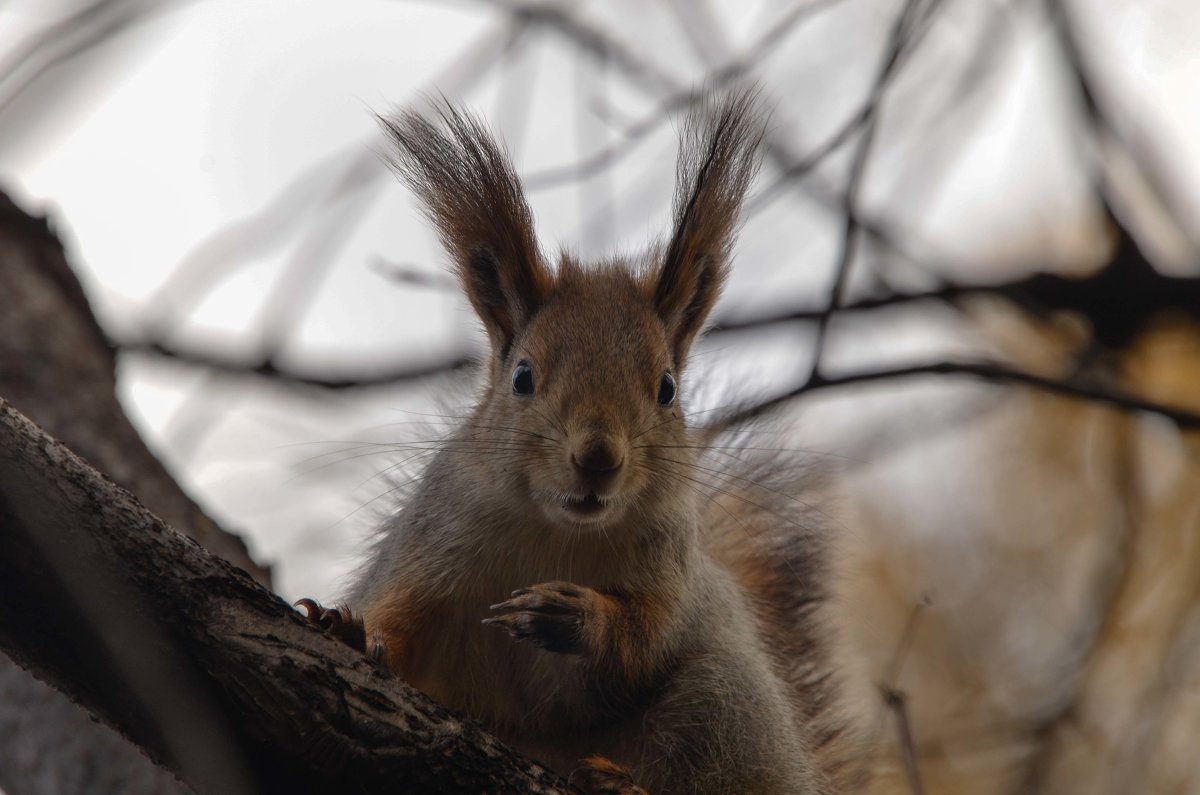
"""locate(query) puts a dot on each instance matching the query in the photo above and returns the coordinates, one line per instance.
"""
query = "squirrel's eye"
(523, 379)
(666, 390)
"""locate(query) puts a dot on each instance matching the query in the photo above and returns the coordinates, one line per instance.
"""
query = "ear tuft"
(718, 158)
(473, 197)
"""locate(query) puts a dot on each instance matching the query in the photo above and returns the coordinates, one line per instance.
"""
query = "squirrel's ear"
(718, 157)
(474, 198)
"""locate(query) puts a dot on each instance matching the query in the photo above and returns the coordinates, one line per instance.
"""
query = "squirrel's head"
(582, 407)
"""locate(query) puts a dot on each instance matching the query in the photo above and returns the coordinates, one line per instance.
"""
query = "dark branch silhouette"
(211, 674)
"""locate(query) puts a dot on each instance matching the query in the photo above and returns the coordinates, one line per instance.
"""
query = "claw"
(337, 621)
(551, 616)
(310, 606)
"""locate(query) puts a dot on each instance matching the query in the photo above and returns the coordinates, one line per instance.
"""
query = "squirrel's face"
(588, 391)
(583, 404)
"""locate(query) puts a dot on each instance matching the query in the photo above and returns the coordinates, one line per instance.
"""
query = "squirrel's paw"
(553, 615)
(599, 776)
(341, 623)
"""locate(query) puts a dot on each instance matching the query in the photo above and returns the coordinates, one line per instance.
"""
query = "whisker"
(358, 444)
(703, 493)
(499, 455)
(733, 494)
(685, 416)
(450, 446)
(725, 448)
(745, 530)
(374, 499)
(553, 423)
(388, 469)
(328, 464)
(462, 421)
(730, 476)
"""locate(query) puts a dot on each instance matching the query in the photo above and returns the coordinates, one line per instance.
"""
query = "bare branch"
(337, 177)
(896, 703)
(992, 372)
(94, 25)
(900, 46)
(898, 42)
(559, 19)
(270, 368)
(1119, 300)
(1152, 168)
(409, 274)
(634, 133)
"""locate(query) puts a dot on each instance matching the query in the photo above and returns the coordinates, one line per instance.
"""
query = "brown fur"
(626, 636)
(398, 623)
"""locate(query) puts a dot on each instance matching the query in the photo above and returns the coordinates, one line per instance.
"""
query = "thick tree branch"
(102, 598)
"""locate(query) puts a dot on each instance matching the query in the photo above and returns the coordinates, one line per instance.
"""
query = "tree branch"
(992, 372)
(635, 132)
(269, 368)
(897, 43)
(102, 598)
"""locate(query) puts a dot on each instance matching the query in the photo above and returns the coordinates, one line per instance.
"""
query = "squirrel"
(562, 572)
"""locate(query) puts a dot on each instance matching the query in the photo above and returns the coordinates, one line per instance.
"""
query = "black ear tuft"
(718, 158)
(474, 198)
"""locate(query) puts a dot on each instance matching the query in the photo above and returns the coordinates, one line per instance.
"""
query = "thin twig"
(793, 169)
(93, 26)
(1153, 170)
(896, 703)
(632, 134)
(897, 43)
(888, 687)
(294, 206)
(271, 369)
(412, 275)
(560, 19)
(992, 372)
(895, 699)
(297, 285)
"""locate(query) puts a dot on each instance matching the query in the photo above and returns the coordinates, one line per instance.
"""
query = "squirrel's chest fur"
(438, 574)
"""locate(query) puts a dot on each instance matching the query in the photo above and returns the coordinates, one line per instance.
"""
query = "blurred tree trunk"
(105, 601)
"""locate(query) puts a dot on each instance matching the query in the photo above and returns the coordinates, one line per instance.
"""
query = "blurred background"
(966, 289)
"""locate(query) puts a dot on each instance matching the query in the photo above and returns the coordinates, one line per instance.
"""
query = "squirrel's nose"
(597, 459)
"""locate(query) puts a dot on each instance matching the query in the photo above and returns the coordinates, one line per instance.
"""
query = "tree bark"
(57, 366)
(212, 675)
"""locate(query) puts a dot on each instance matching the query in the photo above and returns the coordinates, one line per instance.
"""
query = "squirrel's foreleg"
(617, 631)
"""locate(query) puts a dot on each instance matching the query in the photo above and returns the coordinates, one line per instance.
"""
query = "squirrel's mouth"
(580, 509)
(588, 506)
